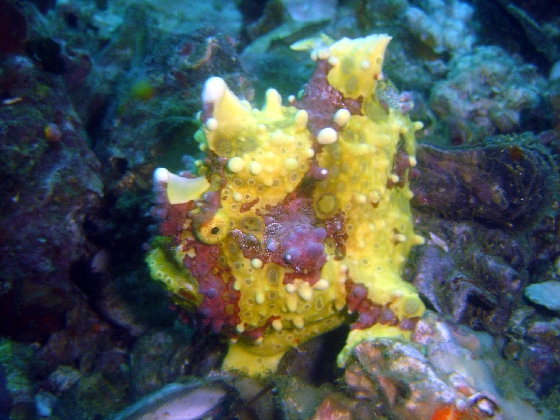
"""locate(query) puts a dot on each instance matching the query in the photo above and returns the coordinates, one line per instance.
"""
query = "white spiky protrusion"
(214, 90)
(180, 189)
(341, 117)
(235, 164)
(327, 135)
(301, 118)
(161, 175)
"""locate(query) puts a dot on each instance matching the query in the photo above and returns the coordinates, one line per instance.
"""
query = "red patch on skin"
(257, 332)
(245, 207)
(401, 163)
(311, 278)
(408, 324)
(291, 238)
(321, 100)
(174, 219)
(368, 312)
(219, 308)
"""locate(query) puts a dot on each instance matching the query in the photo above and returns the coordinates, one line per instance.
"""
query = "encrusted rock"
(506, 184)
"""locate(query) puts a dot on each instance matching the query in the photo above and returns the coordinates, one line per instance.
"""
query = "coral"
(535, 346)
(427, 34)
(442, 25)
(184, 20)
(543, 360)
(476, 263)
(156, 359)
(298, 398)
(47, 52)
(487, 92)
(296, 216)
(434, 26)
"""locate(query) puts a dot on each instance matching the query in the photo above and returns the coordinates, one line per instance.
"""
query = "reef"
(94, 96)
(46, 168)
(298, 215)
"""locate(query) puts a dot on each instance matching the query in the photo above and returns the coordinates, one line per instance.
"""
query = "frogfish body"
(298, 218)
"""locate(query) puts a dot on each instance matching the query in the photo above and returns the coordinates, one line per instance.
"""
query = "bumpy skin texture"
(298, 216)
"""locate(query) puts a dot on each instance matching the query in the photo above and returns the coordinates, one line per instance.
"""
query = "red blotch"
(174, 219)
(401, 164)
(321, 100)
(219, 309)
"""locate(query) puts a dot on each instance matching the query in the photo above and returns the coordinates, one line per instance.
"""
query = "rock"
(49, 187)
(546, 294)
(506, 184)
(471, 272)
(445, 369)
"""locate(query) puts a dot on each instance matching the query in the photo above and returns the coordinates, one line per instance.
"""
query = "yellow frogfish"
(298, 218)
